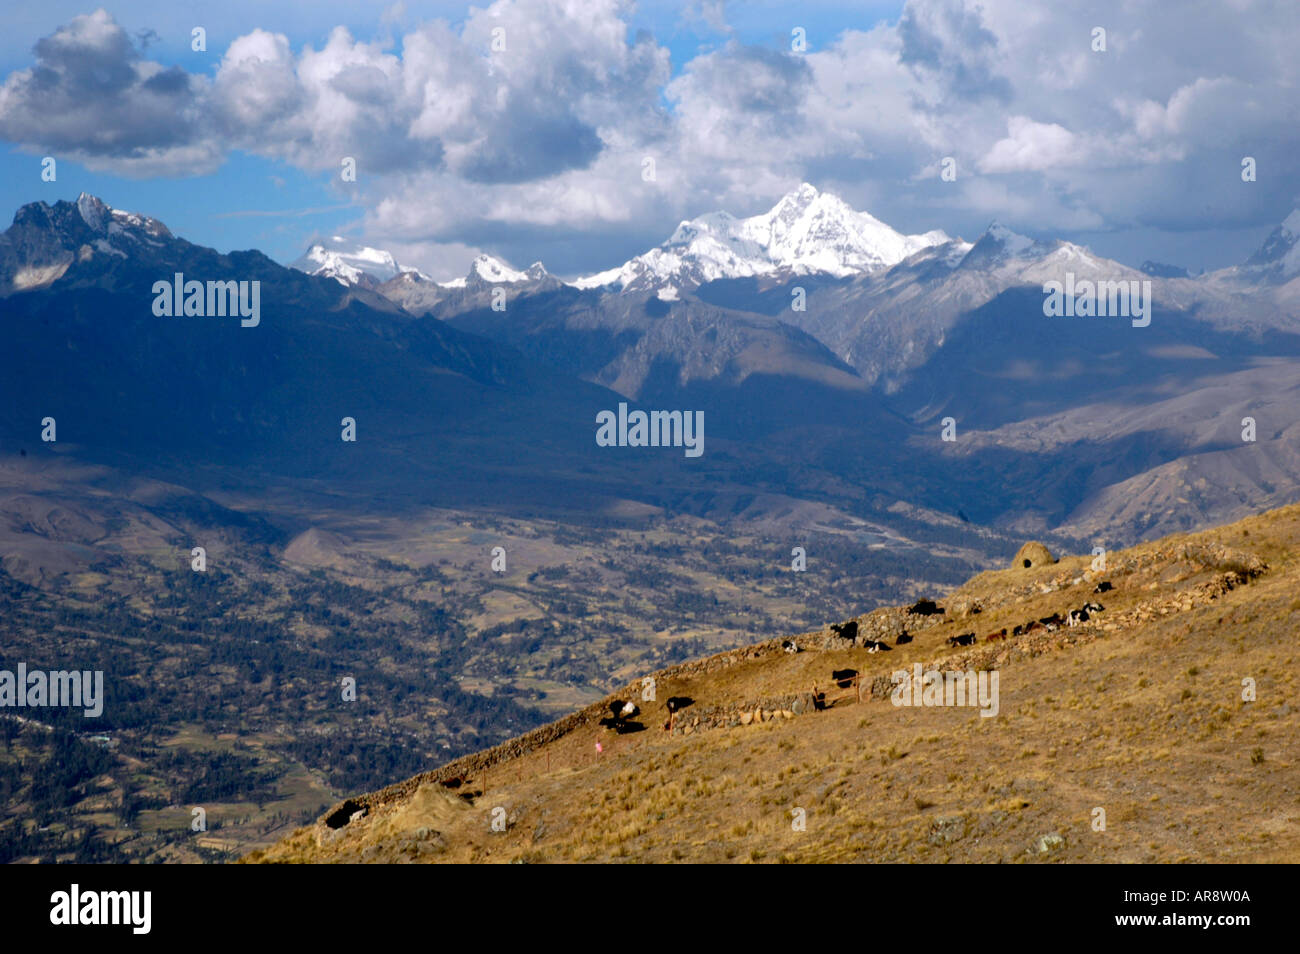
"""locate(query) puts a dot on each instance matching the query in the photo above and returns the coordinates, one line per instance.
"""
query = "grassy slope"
(1139, 714)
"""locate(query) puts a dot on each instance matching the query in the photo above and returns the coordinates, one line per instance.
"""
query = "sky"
(529, 128)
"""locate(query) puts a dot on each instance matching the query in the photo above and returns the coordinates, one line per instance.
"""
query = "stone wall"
(692, 720)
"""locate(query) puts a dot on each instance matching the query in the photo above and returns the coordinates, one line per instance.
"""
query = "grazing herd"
(623, 712)
(1074, 617)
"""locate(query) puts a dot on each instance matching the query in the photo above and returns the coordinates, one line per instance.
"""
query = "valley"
(488, 547)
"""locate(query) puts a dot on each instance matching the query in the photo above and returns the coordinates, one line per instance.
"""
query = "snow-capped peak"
(806, 232)
(93, 213)
(489, 270)
(494, 271)
(92, 210)
(1280, 253)
(1000, 246)
(347, 262)
(1013, 243)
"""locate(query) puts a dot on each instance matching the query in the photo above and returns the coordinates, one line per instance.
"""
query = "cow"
(1020, 630)
(1103, 587)
(924, 608)
(1052, 622)
(965, 639)
(1093, 607)
(790, 646)
(675, 704)
(1000, 634)
(875, 646)
(620, 717)
(1077, 616)
(847, 630)
(903, 638)
(844, 677)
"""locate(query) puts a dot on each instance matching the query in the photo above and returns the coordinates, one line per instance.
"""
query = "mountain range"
(807, 232)
(814, 310)
(815, 338)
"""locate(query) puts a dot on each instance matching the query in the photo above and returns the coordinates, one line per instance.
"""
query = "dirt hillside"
(1164, 727)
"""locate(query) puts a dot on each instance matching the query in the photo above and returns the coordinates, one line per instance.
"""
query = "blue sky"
(536, 151)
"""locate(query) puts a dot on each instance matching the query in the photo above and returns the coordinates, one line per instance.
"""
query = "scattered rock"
(1050, 843)
(946, 830)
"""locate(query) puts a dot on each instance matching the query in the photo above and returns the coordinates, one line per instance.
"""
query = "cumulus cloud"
(91, 95)
(537, 117)
(1033, 147)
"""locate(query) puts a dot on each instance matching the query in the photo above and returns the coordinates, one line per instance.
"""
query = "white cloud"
(456, 141)
(1033, 147)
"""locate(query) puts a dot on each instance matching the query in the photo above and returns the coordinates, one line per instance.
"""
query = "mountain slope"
(434, 407)
(1138, 712)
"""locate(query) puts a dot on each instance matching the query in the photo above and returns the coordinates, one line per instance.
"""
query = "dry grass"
(1146, 723)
